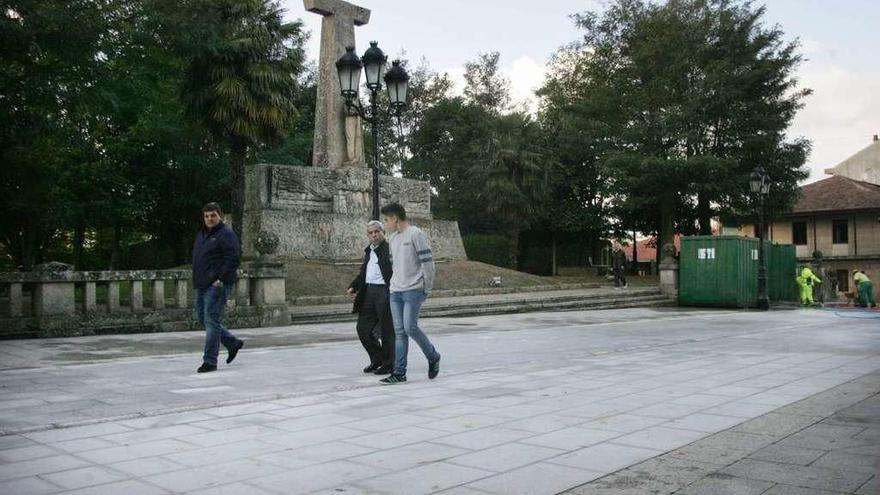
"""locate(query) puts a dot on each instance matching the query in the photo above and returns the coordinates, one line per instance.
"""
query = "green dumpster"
(781, 272)
(722, 271)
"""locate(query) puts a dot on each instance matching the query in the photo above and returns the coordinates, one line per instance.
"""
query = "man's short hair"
(213, 207)
(375, 223)
(395, 210)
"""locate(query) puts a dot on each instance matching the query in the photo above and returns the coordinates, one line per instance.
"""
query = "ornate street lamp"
(373, 62)
(759, 183)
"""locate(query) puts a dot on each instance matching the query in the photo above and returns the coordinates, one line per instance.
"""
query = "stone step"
(650, 299)
(481, 291)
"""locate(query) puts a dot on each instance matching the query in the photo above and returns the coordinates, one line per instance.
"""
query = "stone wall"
(66, 302)
(320, 213)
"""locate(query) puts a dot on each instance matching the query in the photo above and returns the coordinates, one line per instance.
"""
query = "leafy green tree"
(426, 89)
(239, 83)
(52, 65)
(685, 98)
(485, 86)
(576, 202)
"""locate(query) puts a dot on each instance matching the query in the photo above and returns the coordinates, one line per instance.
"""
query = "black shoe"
(393, 380)
(371, 368)
(383, 370)
(434, 369)
(206, 368)
(234, 351)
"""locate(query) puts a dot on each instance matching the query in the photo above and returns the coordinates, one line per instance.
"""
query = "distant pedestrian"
(371, 301)
(618, 267)
(215, 263)
(411, 283)
(805, 281)
(865, 289)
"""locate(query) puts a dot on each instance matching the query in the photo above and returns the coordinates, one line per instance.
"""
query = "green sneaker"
(393, 380)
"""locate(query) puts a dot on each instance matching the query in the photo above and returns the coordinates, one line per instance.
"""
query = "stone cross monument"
(321, 212)
(338, 140)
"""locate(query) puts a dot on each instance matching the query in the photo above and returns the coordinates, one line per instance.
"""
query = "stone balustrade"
(86, 302)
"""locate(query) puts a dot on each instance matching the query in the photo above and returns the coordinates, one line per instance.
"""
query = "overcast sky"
(838, 37)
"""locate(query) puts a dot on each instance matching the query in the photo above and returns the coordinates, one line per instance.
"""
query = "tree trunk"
(177, 252)
(28, 246)
(79, 239)
(635, 263)
(704, 214)
(553, 270)
(114, 252)
(667, 221)
(238, 150)
(514, 250)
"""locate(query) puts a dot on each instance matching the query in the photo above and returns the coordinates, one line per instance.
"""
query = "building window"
(840, 231)
(843, 280)
(799, 233)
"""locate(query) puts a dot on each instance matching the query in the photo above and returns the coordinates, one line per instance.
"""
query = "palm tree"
(240, 81)
(512, 175)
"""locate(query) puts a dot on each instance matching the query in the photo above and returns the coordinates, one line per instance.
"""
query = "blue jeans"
(405, 308)
(210, 304)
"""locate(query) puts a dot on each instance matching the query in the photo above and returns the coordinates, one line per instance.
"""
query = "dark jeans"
(376, 311)
(619, 277)
(210, 304)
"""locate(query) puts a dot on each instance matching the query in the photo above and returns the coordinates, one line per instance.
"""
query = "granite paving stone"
(505, 457)
(536, 479)
(802, 476)
(787, 454)
(656, 400)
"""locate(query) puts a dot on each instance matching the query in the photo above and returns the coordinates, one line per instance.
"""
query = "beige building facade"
(838, 216)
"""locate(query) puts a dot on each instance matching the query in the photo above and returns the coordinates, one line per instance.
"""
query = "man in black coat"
(370, 292)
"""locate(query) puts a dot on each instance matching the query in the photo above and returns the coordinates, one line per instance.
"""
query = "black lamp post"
(759, 183)
(373, 62)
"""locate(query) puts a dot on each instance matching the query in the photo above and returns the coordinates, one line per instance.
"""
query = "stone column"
(181, 295)
(137, 295)
(158, 294)
(242, 292)
(337, 32)
(90, 298)
(15, 299)
(112, 296)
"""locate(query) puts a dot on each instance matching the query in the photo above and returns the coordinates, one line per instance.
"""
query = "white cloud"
(839, 117)
(525, 76)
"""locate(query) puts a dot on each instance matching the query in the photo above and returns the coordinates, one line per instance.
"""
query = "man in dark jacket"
(215, 263)
(370, 292)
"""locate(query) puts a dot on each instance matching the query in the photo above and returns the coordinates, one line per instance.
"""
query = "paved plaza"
(652, 400)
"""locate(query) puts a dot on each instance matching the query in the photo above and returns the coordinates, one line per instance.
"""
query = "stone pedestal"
(320, 213)
(267, 291)
(669, 278)
(54, 299)
(267, 283)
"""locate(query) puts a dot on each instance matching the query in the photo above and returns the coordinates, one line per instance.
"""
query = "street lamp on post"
(373, 63)
(759, 183)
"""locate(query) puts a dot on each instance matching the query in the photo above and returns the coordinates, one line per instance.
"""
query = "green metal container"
(722, 271)
(781, 272)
